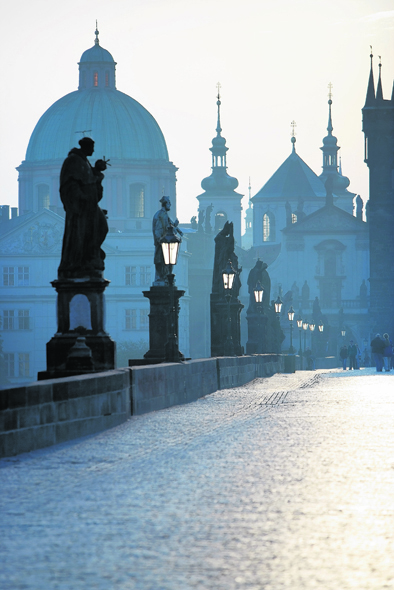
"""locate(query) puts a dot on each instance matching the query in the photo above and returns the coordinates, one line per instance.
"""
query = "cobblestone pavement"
(286, 483)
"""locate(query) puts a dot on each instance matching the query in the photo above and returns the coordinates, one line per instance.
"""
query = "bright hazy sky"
(274, 60)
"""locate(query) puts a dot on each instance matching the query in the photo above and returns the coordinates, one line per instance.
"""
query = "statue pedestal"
(163, 323)
(80, 315)
(220, 322)
(257, 328)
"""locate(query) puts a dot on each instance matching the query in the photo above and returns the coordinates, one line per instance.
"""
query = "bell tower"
(378, 128)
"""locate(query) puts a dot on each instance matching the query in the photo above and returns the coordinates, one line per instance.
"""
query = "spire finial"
(250, 190)
(329, 126)
(218, 128)
(293, 134)
(96, 41)
(379, 88)
(370, 98)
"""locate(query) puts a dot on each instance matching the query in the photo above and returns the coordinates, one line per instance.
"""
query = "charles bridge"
(283, 482)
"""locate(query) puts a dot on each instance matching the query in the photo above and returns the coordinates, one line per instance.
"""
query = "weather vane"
(293, 125)
(329, 90)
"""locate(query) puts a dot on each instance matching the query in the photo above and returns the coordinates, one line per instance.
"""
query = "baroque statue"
(86, 223)
(161, 222)
(259, 273)
(224, 251)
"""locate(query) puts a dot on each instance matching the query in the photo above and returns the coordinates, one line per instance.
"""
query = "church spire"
(379, 90)
(293, 137)
(96, 32)
(370, 98)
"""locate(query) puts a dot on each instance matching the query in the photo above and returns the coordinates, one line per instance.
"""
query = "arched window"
(137, 200)
(107, 79)
(43, 196)
(95, 79)
(293, 218)
(220, 220)
(268, 227)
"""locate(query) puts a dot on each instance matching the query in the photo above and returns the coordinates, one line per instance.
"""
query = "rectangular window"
(145, 275)
(24, 364)
(23, 319)
(9, 362)
(23, 276)
(130, 275)
(8, 276)
(15, 276)
(8, 319)
(144, 319)
(130, 319)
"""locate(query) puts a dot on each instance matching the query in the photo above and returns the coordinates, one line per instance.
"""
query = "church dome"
(121, 127)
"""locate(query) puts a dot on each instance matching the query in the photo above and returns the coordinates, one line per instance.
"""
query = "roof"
(292, 180)
(120, 126)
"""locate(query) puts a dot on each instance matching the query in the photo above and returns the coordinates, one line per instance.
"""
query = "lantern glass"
(170, 252)
(312, 327)
(343, 332)
(299, 322)
(278, 305)
(228, 275)
(305, 325)
(258, 292)
(321, 327)
(290, 314)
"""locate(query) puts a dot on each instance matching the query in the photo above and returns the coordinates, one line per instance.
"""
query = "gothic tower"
(378, 128)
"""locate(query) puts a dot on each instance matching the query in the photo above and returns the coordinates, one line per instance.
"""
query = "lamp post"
(299, 326)
(305, 326)
(228, 275)
(170, 247)
(290, 315)
(258, 297)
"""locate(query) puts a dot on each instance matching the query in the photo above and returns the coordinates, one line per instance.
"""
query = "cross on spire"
(96, 41)
(329, 90)
(293, 125)
(218, 86)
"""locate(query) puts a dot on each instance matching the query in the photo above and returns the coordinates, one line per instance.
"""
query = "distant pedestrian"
(352, 354)
(377, 349)
(387, 353)
(343, 355)
(310, 360)
(358, 356)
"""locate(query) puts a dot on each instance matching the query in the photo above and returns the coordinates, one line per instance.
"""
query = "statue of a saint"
(259, 273)
(208, 225)
(161, 222)
(224, 251)
(86, 224)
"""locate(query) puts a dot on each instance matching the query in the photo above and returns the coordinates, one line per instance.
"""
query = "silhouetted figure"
(316, 311)
(300, 210)
(201, 217)
(288, 214)
(161, 222)
(193, 222)
(208, 225)
(359, 207)
(224, 251)
(343, 356)
(86, 224)
(377, 349)
(352, 354)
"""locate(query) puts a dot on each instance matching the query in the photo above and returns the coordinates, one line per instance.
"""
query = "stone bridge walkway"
(286, 483)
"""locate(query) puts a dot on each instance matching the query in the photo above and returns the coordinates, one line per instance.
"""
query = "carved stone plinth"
(220, 314)
(163, 323)
(80, 315)
(257, 333)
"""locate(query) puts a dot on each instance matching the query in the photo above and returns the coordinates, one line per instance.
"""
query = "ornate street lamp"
(170, 247)
(321, 326)
(299, 326)
(305, 326)
(228, 275)
(343, 332)
(278, 305)
(258, 294)
(290, 315)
